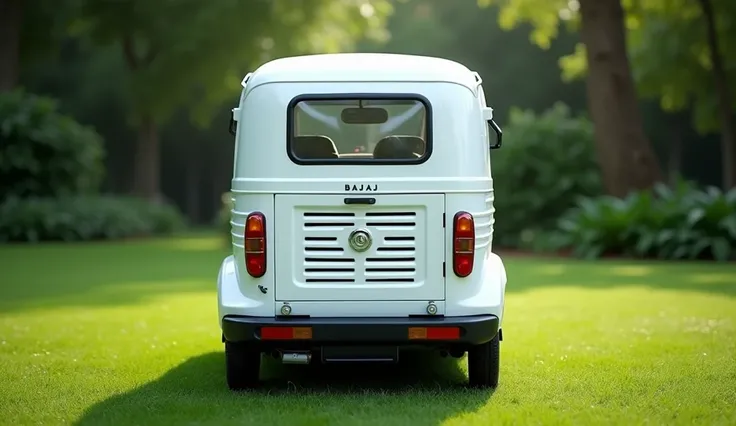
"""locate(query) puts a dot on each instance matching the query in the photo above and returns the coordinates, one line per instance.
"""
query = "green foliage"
(43, 28)
(666, 43)
(528, 76)
(543, 15)
(679, 223)
(84, 218)
(671, 59)
(43, 152)
(547, 161)
(430, 19)
(198, 58)
(224, 217)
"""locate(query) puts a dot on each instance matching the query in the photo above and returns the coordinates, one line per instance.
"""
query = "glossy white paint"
(318, 263)
(361, 68)
(456, 177)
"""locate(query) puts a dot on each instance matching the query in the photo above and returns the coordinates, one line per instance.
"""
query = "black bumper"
(474, 330)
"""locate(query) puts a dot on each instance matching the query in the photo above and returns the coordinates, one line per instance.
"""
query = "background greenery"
(548, 160)
(109, 104)
(113, 126)
(44, 152)
(90, 77)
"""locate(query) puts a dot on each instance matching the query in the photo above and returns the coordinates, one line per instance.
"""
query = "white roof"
(363, 67)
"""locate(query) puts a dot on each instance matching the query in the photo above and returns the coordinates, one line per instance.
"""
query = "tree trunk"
(674, 159)
(11, 14)
(626, 157)
(193, 184)
(146, 178)
(725, 112)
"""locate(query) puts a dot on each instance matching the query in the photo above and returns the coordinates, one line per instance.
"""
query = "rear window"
(359, 129)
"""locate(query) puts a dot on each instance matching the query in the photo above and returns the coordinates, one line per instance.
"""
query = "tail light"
(463, 244)
(286, 333)
(434, 333)
(255, 244)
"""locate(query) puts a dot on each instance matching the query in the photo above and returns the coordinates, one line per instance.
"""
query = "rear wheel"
(483, 364)
(242, 366)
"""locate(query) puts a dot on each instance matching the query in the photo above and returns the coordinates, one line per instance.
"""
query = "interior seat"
(313, 147)
(399, 147)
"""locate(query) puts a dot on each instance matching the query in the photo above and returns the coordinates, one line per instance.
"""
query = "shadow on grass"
(421, 389)
(526, 274)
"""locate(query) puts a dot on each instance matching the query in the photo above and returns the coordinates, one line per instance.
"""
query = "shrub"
(84, 218)
(547, 161)
(44, 153)
(679, 223)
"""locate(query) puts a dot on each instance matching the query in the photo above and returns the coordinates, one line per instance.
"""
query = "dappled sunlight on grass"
(123, 295)
(551, 269)
(525, 274)
(101, 274)
(631, 270)
(714, 278)
(127, 334)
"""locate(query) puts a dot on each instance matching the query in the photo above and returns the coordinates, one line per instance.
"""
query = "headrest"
(399, 147)
(416, 144)
(313, 147)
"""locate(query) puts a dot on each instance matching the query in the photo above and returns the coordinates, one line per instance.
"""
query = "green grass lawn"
(127, 334)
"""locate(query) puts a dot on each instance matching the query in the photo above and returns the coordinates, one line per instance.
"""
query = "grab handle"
(360, 201)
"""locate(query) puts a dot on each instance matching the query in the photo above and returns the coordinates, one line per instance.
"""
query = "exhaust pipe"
(457, 353)
(296, 357)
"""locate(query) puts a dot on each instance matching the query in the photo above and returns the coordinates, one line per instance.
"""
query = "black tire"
(242, 366)
(483, 364)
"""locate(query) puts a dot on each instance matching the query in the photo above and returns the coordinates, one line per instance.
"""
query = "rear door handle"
(360, 200)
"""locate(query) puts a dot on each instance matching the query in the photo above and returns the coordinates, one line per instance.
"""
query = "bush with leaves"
(667, 223)
(85, 218)
(546, 162)
(44, 153)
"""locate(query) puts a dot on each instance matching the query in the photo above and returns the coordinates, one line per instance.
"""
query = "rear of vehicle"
(359, 230)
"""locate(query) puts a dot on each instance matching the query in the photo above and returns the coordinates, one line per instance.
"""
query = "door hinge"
(444, 217)
(443, 269)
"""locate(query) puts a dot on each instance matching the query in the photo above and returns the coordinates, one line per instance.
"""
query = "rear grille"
(391, 220)
(328, 220)
(329, 259)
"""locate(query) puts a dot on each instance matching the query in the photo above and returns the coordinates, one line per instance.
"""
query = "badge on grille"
(360, 240)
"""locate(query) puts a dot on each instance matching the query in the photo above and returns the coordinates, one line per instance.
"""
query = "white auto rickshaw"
(363, 216)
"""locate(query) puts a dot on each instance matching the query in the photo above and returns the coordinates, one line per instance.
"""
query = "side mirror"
(233, 128)
(499, 134)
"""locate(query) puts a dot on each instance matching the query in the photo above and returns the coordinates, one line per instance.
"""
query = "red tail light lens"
(255, 244)
(286, 333)
(463, 244)
(434, 333)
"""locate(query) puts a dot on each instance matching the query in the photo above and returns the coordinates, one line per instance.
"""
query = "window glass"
(359, 131)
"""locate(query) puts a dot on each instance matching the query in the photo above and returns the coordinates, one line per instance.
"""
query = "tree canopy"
(625, 154)
(191, 55)
(194, 53)
(662, 35)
